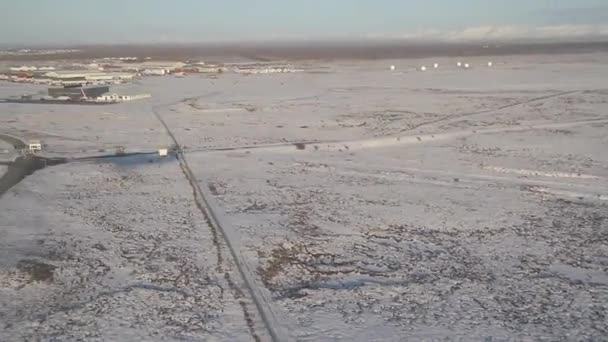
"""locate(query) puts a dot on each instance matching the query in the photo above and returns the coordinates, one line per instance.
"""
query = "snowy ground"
(372, 205)
(114, 251)
(6, 155)
(7, 152)
(5, 146)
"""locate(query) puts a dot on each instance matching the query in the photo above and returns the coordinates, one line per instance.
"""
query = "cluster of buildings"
(51, 76)
(25, 68)
(104, 72)
(252, 70)
(153, 68)
(122, 58)
(35, 52)
(70, 77)
(110, 70)
(78, 95)
(98, 94)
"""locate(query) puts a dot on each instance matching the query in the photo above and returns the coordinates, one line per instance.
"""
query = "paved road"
(17, 143)
(22, 166)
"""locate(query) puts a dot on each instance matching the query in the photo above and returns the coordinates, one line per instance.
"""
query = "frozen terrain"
(369, 205)
(5, 146)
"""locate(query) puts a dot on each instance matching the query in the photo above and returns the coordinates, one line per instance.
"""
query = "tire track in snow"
(262, 303)
(398, 136)
(418, 139)
(569, 194)
(439, 177)
(388, 141)
(489, 111)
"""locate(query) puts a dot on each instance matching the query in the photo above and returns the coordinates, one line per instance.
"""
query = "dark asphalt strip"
(23, 167)
(16, 142)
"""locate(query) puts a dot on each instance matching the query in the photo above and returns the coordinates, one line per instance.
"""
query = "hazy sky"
(84, 21)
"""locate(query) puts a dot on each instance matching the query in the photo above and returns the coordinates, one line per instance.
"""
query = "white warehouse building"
(85, 75)
(121, 98)
(155, 72)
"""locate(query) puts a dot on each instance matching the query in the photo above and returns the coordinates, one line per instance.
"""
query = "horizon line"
(469, 35)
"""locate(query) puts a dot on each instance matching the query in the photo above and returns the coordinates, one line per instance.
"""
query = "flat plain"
(366, 204)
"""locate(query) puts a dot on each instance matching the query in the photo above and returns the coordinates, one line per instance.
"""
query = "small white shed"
(34, 146)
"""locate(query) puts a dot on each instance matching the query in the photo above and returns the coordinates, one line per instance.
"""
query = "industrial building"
(78, 93)
(167, 65)
(250, 70)
(88, 76)
(121, 98)
(97, 94)
(154, 72)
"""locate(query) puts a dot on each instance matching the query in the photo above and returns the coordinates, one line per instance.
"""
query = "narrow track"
(17, 143)
(489, 111)
(231, 238)
(392, 140)
(23, 165)
(398, 135)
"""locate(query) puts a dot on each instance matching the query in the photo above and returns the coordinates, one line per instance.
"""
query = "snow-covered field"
(371, 205)
(7, 152)
(6, 155)
(5, 146)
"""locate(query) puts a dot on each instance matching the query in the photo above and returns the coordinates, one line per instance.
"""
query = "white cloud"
(504, 33)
